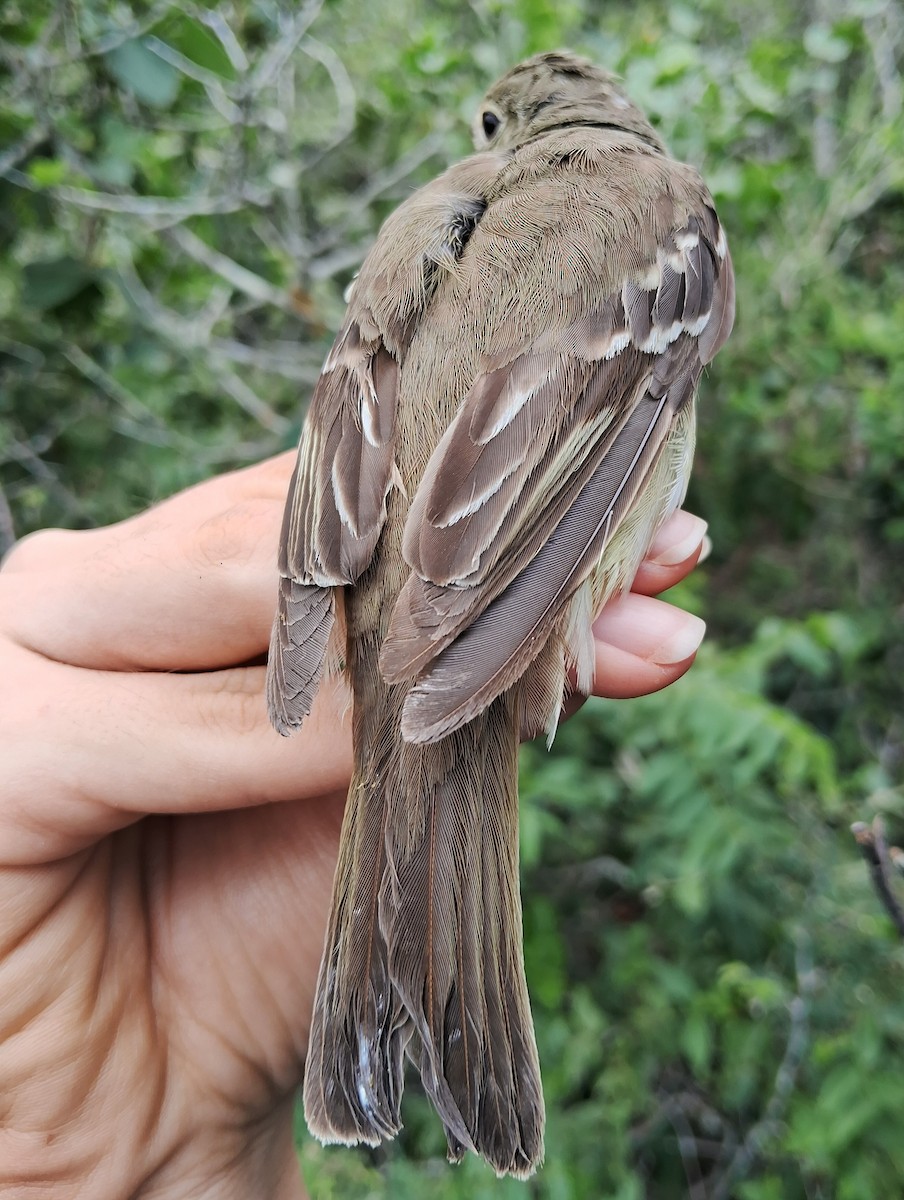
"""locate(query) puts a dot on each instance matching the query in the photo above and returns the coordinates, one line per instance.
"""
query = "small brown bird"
(503, 423)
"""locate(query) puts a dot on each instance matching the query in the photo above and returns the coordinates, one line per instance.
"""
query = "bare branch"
(382, 182)
(27, 457)
(283, 47)
(590, 872)
(344, 88)
(215, 87)
(340, 259)
(21, 149)
(695, 1107)
(687, 1148)
(214, 309)
(234, 273)
(113, 39)
(286, 359)
(172, 208)
(796, 1045)
(29, 355)
(175, 327)
(248, 399)
(873, 846)
(143, 424)
(884, 35)
(227, 39)
(187, 336)
(291, 360)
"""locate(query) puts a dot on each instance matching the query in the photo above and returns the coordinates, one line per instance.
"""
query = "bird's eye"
(490, 123)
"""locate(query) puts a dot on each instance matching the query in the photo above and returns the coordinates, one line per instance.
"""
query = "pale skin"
(166, 858)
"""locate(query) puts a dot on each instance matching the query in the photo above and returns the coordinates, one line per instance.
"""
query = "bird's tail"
(424, 948)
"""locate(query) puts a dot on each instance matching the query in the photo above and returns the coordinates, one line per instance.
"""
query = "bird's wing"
(585, 371)
(346, 459)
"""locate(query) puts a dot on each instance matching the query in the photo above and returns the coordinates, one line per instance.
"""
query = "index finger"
(189, 584)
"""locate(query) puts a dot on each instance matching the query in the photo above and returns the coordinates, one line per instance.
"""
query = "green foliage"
(184, 194)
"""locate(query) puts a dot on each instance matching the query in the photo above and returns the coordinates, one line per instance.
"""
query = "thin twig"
(227, 39)
(7, 526)
(187, 336)
(241, 278)
(143, 423)
(21, 149)
(342, 85)
(695, 1108)
(591, 871)
(873, 846)
(185, 66)
(116, 37)
(768, 1125)
(883, 35)
(289, 360)
(687, 1149)
(283, 47)
(172, 208)
(248, 399)
(27, 457)
(381, 182)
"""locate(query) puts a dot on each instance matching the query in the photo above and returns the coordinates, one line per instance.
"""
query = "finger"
(91, 760)
(267, 480)
(642, 645)
(114, 746)
(674, 553)
(187, 585)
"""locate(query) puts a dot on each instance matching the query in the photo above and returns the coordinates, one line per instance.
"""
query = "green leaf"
(139, 71)
(696, 1041)
(822, 43)
(50, 283)
(195, 42)
(47, 172)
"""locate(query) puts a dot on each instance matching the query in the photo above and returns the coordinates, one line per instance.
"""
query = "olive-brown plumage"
(503, 423)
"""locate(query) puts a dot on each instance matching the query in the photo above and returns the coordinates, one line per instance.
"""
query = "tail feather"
(359, 1032)
(433, 828)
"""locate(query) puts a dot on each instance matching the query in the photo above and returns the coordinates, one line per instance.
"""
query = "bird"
(504, 421)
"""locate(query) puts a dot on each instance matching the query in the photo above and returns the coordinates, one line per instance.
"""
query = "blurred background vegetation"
(185, 191)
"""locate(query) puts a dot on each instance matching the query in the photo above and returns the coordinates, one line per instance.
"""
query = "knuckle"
(39, 551)
(234, 701)
(236, 535)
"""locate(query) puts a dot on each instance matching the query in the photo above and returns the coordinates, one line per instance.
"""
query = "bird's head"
(553, 90)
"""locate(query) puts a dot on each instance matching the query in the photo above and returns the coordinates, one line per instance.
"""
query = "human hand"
(166, 858)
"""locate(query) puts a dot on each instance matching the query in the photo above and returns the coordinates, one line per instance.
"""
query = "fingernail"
(706, 549)
(677, 540)
(682, 642)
